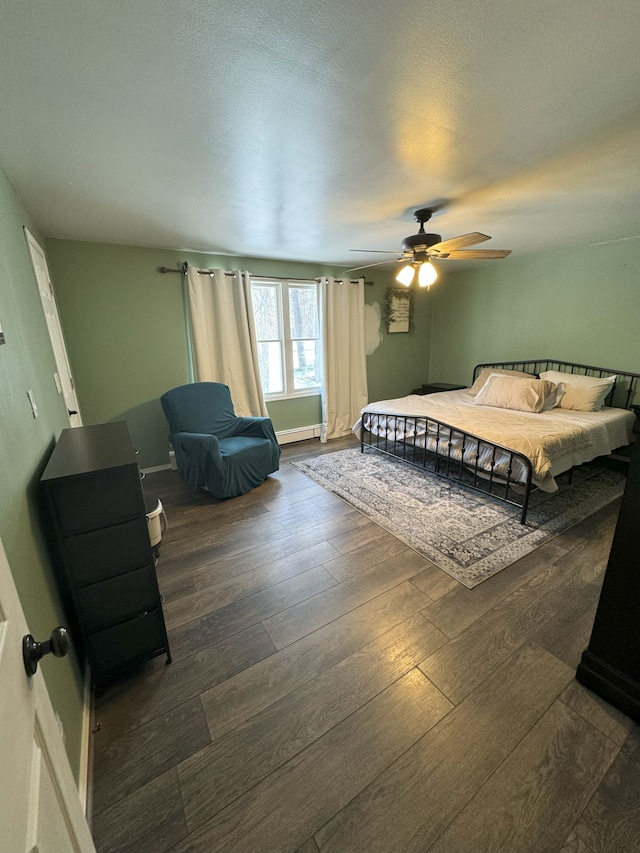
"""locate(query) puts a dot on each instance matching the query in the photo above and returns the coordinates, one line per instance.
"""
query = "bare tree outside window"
(303, 319)
(266, 311)
(288, 330)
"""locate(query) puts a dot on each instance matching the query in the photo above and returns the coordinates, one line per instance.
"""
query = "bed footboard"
(452, 454)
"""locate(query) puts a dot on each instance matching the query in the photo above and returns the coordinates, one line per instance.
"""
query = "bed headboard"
(622, 394)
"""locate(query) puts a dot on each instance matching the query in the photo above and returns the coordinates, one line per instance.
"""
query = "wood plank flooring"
(332, 691)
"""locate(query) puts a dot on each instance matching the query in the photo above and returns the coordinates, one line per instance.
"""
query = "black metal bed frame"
(468, 459)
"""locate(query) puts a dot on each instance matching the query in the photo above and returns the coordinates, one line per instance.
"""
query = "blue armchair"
(215, 449)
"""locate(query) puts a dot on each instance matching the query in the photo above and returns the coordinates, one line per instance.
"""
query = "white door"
(63, 378)
(40, 808)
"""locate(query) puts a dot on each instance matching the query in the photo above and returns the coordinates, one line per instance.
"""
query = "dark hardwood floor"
(331, 690)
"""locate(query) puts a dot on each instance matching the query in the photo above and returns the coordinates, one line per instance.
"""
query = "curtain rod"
(185, 266)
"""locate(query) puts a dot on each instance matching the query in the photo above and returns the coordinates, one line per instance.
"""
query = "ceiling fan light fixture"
(406, 274)
(418, 250)
(427, 274)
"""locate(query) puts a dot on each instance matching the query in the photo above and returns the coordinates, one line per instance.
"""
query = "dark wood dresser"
(102, 554)
(610, 666)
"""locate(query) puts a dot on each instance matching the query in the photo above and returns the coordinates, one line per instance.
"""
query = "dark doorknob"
(58, 644)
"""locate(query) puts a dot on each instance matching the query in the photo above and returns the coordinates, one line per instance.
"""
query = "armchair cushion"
(215, 449)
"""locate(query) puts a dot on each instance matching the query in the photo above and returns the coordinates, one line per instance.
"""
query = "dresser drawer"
(101, 554)
(137, 638)
(89, 502)
(104, 604)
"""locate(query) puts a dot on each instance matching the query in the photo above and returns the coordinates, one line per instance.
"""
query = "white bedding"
(554, 440)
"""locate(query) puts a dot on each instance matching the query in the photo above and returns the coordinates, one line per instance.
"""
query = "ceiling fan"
(420, 249)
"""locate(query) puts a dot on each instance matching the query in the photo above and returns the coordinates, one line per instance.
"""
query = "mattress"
(554, 441)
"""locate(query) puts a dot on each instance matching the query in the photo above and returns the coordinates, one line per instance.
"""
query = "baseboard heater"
(288, 436)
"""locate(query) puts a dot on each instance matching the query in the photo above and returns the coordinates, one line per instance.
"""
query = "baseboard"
(156, 468)
(288, 436)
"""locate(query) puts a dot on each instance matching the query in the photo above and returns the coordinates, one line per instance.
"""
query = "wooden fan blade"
(368, 266)
(459, 242)
(473, 255)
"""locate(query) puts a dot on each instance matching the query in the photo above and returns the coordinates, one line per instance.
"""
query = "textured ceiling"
(300, 130)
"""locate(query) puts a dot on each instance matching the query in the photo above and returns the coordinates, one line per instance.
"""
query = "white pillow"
(581, 393)
(515, 392)
(554, 398)
(486, 372)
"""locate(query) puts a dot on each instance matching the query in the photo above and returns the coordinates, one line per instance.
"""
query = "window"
(287, 322)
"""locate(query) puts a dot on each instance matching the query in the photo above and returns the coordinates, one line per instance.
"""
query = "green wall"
(125, 330)
(580, 305)
(26, 363)
(401, 362)
(291, 414)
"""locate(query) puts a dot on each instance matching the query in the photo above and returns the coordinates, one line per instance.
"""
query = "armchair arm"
(257, 427)
(195, 441)
(198, 457)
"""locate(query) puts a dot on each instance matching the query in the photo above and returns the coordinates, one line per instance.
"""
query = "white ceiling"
(300, 130)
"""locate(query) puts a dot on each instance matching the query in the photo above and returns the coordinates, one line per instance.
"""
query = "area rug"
(470, 536)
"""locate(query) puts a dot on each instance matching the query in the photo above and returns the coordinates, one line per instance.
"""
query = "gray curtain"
(345, 390)
(223, 338)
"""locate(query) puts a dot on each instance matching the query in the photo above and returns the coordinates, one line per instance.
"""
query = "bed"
(517, 427)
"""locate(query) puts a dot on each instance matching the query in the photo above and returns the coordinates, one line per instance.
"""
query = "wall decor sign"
(399, 310)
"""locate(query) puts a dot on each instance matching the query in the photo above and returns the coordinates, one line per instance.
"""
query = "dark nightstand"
(435, 387)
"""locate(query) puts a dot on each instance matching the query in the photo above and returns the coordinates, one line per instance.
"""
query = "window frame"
(286, 342)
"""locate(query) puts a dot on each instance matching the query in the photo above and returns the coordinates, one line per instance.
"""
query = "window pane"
(303, 311)
(306, 364)
(265, 311)
(270, 360)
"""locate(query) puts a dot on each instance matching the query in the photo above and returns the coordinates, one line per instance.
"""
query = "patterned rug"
(468, 535)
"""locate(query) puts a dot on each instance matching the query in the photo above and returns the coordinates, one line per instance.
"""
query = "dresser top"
(84, 450)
